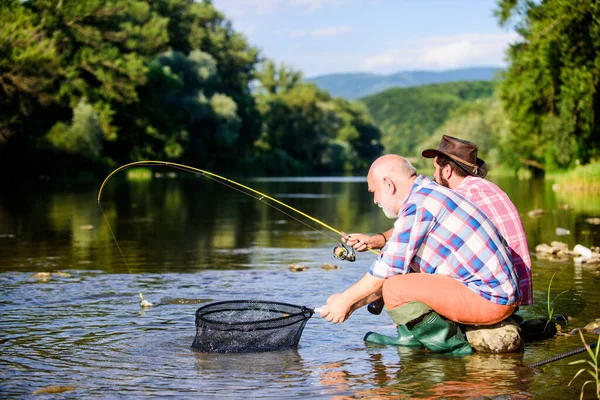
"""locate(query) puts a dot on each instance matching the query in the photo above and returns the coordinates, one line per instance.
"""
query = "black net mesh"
(247, 326)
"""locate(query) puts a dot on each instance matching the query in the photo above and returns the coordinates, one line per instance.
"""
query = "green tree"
(409, 116)
(104, 46)
(550, 90)
(83, 137)
(483, 122)
(28, 68)
(305, 129)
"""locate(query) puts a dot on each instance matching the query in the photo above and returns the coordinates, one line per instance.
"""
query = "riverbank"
(584, 178)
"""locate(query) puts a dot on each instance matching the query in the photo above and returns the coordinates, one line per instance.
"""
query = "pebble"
(297, 268)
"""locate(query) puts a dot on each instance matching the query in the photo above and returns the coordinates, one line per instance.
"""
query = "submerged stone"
(297, 268)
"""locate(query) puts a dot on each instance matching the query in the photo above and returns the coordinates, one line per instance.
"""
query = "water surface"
(187, 242)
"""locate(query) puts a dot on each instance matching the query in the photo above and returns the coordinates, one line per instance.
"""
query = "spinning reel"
(342, 252)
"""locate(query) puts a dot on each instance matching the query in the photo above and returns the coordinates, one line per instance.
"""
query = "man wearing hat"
(457, 167)
(464, 273)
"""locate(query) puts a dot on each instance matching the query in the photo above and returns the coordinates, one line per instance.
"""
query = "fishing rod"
(563, 355)
(341, 252)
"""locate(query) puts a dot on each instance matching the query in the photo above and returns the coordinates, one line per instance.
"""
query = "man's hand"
(338, 309)
(359, 241)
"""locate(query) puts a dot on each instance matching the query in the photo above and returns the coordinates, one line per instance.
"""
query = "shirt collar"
(421, 181)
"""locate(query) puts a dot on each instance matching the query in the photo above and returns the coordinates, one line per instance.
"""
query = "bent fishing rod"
(341, 252)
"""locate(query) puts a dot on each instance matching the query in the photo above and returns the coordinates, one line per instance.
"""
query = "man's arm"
(341, 305)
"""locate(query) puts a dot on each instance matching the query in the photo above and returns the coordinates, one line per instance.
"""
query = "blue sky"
(381, 36)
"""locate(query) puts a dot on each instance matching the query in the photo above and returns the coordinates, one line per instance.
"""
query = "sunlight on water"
(188, 245)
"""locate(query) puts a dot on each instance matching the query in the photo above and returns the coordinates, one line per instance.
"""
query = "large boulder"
(503, 337)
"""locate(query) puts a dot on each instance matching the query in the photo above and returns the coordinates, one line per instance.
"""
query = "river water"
(189, 242)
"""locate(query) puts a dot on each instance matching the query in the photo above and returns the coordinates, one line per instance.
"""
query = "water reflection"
(189, 242)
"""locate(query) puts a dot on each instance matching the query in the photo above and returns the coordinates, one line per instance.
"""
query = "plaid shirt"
(494, 203)
(440, 232)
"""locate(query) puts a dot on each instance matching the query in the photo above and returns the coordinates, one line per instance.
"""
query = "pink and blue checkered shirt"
(494, 203)
(438, 231)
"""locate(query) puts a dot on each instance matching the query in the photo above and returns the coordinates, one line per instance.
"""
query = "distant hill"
(409, 116)
(355, 85)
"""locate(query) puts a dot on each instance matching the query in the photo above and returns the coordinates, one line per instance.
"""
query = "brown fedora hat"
(462, 152)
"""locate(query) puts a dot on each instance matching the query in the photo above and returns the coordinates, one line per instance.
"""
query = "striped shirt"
(438, 231)
(494, 203)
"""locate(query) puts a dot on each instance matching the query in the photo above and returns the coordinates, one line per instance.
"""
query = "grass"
(592, 368)
(139, 174)
(550, 315)
(583, 177)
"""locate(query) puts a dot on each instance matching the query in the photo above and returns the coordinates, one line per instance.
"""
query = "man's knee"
(395, 291)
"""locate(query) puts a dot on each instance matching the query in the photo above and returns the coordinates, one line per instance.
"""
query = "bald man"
(466, 271)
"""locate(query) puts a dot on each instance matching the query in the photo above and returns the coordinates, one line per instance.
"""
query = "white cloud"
(439, 53)
(333, 31)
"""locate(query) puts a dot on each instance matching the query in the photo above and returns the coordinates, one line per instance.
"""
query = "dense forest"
(87, 85)
(408, 117)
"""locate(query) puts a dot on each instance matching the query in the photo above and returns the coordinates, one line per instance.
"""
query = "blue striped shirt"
(440, 232)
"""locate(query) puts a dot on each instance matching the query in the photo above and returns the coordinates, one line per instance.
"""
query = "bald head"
(390, 180)
(394, 166)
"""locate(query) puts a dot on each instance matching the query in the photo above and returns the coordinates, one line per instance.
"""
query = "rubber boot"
(401, 315)
(404, 338)
(440, 335)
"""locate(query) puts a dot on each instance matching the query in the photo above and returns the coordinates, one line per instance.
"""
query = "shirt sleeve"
(410, 230)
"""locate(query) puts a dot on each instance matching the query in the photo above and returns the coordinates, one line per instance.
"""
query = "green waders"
(418, 323)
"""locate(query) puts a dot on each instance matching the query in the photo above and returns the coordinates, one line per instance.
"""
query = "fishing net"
(248, 326)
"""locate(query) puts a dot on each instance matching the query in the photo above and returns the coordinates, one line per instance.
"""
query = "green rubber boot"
(405, 338)
(440, 335)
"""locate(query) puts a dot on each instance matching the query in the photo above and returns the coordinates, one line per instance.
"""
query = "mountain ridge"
(354, 85)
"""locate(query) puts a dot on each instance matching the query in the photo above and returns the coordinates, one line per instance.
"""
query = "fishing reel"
(342, 252)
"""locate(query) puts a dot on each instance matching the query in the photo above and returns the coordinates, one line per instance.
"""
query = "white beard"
(388, 213)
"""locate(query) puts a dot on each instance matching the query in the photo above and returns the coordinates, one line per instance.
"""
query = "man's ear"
(447, 172)
(389, 184)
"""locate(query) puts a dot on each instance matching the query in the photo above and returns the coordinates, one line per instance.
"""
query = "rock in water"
(538, 329)
(503, 337)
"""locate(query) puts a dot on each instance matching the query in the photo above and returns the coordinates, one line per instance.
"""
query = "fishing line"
(228, 183)
(259, 199)
(114, 237)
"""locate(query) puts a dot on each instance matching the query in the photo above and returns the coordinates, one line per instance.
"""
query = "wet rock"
(536, 213)
(44, 276)
(538, 329)
(556, 251)
(327, 266)
(297, 268)
(503, 337)
(54, 390)
(592, 325)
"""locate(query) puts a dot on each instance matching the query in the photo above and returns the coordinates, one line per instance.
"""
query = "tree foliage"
(306, 129)
(550, 90)
(409, 116)
(111, 82)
